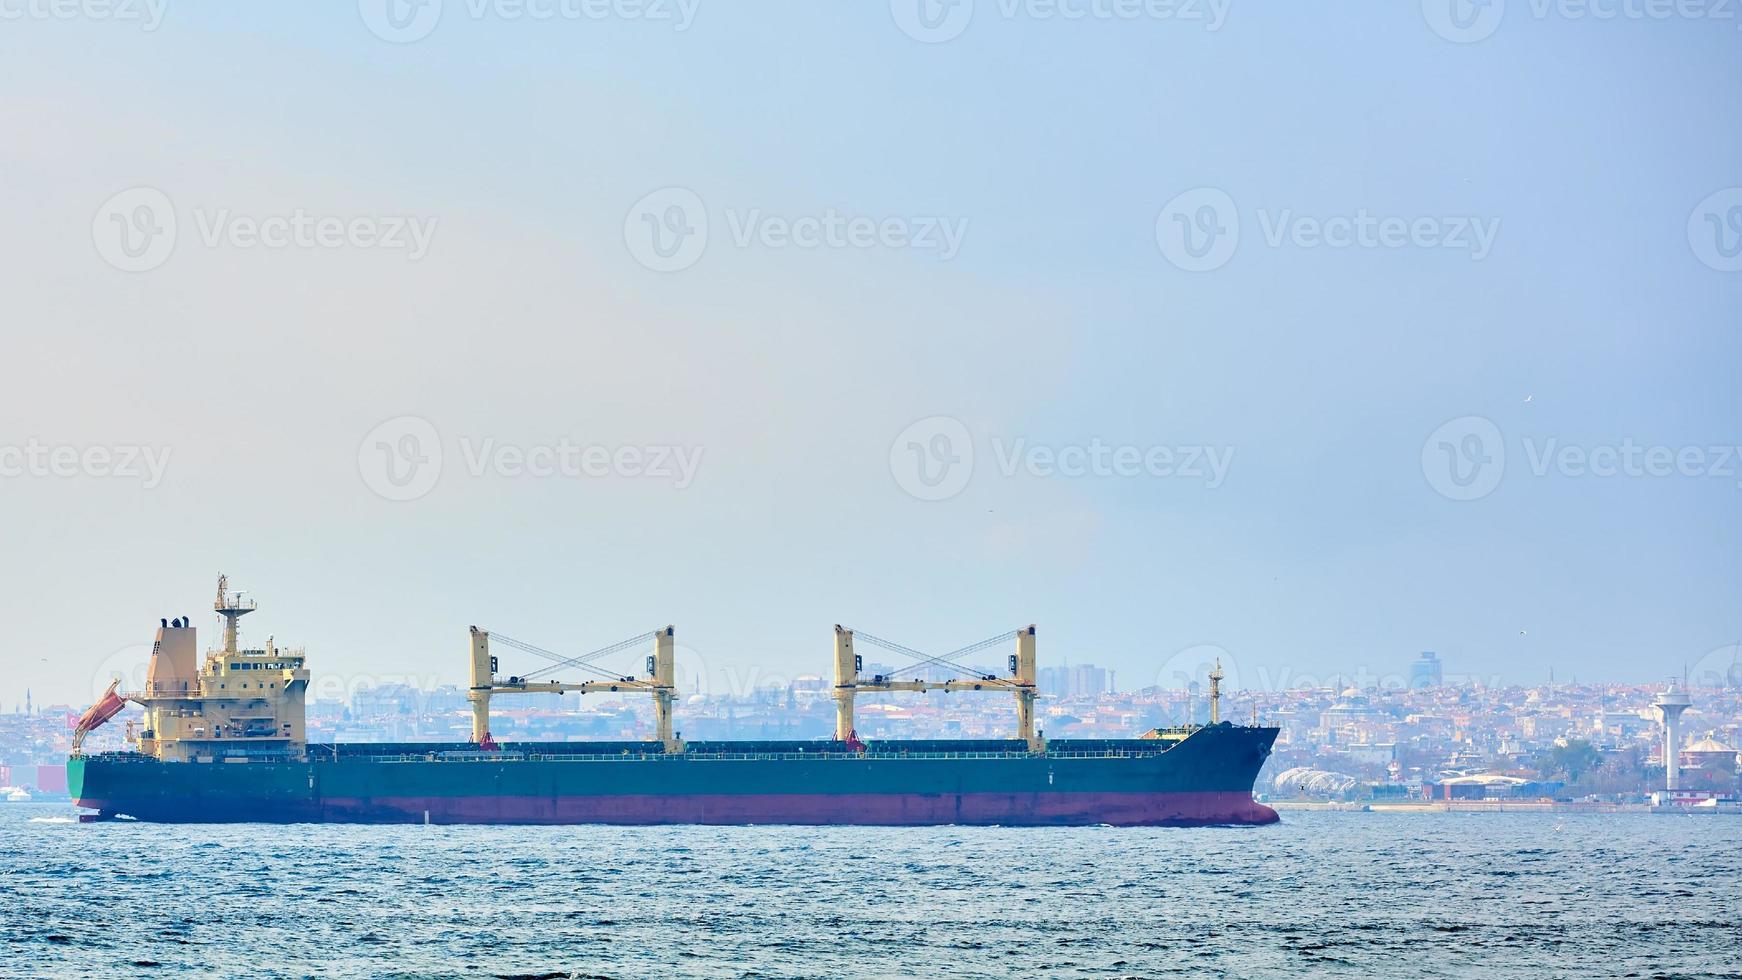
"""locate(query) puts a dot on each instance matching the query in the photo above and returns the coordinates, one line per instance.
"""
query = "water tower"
(1670, 705)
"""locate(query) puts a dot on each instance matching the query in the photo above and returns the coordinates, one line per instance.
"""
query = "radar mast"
(232, 607)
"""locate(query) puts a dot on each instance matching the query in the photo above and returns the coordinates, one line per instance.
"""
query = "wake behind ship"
(224, 740)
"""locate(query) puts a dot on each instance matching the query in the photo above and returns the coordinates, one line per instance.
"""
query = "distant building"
(1088, 680)
(1371, 753)
(1487, 786)
(1425, 671)
(1307, 781)
(446, 699)
(1710, 755)
(387, 700)
(51, 779)
(1083, 680)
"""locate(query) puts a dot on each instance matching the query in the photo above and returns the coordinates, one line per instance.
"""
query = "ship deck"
(619, 751)
(747, 750)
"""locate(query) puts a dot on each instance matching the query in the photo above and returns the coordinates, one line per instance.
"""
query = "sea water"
(1321, 894)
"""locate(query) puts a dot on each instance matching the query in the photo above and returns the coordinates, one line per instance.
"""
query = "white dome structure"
(1304, 779)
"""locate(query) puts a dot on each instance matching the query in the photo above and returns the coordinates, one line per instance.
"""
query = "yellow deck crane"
(659, 680)
(1020, 682)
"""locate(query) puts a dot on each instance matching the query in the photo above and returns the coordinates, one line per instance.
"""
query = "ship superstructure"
(235, 703)
(224, 740)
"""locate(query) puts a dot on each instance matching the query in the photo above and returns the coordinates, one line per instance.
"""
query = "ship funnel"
(174, 668)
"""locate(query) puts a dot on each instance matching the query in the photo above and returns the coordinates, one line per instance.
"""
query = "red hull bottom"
(872, 809)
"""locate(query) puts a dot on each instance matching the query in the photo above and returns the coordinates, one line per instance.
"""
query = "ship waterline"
(794, 809)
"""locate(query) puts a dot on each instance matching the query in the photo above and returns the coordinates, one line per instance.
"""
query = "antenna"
(232, 607)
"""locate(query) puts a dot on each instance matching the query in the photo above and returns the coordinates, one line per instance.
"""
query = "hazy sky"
(1306, 335)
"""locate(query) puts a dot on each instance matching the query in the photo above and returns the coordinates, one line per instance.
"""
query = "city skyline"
(1175, 671)
(1401, 739)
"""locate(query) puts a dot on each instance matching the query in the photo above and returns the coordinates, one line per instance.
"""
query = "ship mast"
(232, 607)
(1216, 693)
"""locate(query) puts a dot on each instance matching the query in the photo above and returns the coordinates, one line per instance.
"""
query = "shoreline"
(1493, 806)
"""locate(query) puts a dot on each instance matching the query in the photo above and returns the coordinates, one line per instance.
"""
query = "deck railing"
(506, 756)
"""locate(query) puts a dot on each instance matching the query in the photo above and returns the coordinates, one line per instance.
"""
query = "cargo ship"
(224, 740)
